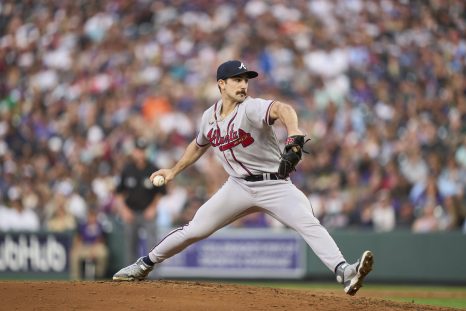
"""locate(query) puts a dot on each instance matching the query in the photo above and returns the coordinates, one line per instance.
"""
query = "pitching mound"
(179, 295)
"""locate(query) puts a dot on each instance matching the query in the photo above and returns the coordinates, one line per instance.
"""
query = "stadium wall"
(403, 256)
(400, 257)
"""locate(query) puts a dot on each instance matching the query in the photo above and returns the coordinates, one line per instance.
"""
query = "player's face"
(236, 88)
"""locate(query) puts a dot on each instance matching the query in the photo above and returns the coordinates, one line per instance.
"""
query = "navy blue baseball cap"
(233, 68)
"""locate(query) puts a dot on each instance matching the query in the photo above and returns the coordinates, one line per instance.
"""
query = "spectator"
(5, 216)
(427, 221)
(89, 245)
(423, 194)
(334, 216)
(405, 216)
(17, 217)
(413, 167)
(383, 213)
(61, 220)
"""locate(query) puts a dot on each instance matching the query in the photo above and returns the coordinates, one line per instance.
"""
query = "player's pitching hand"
(167, 174)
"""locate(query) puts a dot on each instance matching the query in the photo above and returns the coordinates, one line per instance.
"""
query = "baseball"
(158, 181)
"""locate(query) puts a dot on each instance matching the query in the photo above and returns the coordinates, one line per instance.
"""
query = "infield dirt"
(181, 295)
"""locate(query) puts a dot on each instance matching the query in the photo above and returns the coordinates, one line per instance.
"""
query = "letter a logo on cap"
(243, 67)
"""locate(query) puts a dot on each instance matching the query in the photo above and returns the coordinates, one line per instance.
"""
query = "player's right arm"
(192, 153)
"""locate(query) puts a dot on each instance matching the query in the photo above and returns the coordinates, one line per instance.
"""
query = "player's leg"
(288, 204)
(228, 204)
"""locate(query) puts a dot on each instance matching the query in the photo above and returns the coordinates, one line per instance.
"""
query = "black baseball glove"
(291, 155)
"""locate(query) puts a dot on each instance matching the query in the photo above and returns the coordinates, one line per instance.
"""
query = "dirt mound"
(179, 295)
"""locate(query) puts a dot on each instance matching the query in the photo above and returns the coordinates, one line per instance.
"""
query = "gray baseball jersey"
(245, 143)
(235, 138)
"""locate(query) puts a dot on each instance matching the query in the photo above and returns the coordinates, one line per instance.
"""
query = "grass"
(446, 296)
(459, 303)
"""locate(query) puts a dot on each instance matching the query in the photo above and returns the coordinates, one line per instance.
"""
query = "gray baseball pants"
(237, 198)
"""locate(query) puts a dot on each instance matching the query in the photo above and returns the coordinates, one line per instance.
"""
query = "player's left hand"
(291, 155)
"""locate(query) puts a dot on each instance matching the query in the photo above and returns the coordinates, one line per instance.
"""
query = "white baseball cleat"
(352, 276)
(137, 271)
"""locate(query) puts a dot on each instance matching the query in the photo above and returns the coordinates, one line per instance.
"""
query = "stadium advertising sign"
(245, 253)
(34, 254)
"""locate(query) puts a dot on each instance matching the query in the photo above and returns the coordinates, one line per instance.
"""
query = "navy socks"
(147, 261)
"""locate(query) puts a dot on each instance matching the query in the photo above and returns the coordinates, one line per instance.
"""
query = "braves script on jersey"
(234, 137)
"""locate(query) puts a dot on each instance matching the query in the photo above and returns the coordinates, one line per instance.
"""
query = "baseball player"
(239, 129)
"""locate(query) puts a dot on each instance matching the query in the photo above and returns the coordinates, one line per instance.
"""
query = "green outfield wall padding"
(403, 256)
(399, 256)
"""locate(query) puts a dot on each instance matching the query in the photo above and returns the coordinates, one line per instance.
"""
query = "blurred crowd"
(379, 86)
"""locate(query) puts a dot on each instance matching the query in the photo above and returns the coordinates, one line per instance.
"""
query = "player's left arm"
(287, 115)
(295, 141)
